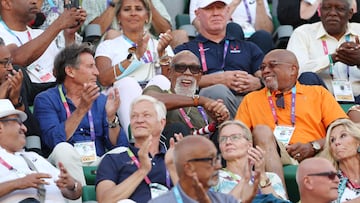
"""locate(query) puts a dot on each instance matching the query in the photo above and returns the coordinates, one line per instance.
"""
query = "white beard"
(186, 91)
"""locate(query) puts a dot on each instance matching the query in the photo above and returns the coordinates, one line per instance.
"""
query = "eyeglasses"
(18, 120)
(212, 160)
(273, 64)
(181, 68)
(280, 103)
(7, 62)
(330, 174)
(232, 138)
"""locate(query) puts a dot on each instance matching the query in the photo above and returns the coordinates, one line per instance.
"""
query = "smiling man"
(139, 173)
(230, 66)
(286, 114)
(181, 100)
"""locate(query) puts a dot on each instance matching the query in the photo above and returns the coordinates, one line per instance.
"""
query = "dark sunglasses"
(273, 64)
(18, 120)
(181, 68)
(212, 160)
(330, 174)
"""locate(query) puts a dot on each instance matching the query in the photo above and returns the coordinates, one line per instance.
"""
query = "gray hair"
(158, 105)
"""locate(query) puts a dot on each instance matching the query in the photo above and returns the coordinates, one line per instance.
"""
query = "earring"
(358, 150)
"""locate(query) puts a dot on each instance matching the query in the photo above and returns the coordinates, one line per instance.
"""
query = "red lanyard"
(4, 163)
(203, 58)
(187, 119)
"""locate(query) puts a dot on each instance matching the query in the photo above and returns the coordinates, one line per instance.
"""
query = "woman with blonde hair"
(342, 148)
(236, 147)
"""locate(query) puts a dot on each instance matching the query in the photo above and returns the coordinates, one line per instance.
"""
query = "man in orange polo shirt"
(287, 118)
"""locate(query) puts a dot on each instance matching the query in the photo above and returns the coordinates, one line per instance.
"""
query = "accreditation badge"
(342, 90)
(86, 150)
(157, 189)
(284, 133)
(40, 73)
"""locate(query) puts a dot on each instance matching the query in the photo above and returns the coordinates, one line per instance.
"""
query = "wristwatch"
(196, 100)
(265, 183)
(114, 123)
(20, 103)
(316, 146)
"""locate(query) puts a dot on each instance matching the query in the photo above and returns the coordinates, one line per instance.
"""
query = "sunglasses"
(212, 160)
(273, 64)
(18, 120)
(330, 174)
(280, 103)
(7, 62)
(181, 68)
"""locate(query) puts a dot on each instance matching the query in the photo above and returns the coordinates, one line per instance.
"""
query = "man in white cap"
(236, 62)
(26, 176)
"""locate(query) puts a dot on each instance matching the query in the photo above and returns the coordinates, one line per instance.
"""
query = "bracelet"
(196, 99)
(121, 68)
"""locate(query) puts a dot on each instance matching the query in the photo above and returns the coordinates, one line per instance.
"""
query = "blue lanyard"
(247, 11)
(13, 34)
(177, 195)
(53, 7)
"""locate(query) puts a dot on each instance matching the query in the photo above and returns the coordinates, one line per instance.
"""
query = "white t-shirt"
(44, 64)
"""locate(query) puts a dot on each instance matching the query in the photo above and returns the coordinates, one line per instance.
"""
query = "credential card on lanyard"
(342, 90)
(86, 150)
(283, 133)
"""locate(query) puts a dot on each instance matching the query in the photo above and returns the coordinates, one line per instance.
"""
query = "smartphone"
(72, 4)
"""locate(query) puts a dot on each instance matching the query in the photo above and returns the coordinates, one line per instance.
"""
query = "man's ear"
(188, 169)
(69, 71)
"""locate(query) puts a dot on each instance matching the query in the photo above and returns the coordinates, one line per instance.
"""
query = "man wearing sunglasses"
(197, 163)
(184, 107)
(317, 180)
(230, 66)
(287, 119)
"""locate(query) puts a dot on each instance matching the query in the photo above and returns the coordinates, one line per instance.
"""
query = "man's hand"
(15, 81)
(89, 94)
(217, 110)
(349, 53)
(65, 180)
(145, 162)
(169, 158)
(71, 18)
(33, 180)
(202, 196)
(81, 17)
(112, 103)
(300, 151)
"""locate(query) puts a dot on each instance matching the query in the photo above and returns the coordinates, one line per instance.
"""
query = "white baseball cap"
(205, 3)
(7, 109)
